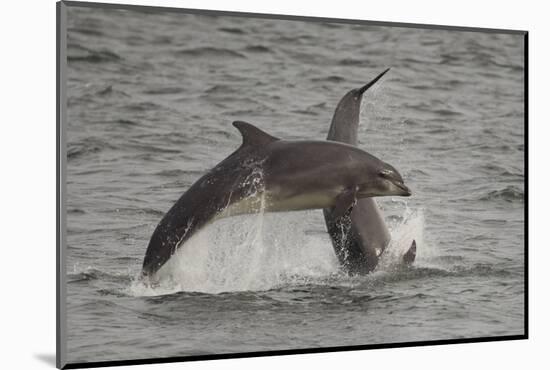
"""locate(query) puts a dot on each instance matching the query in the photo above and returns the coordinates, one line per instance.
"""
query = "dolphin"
(360, 238)
(267, 174)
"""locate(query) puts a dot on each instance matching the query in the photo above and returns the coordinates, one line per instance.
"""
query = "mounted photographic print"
(234, 184)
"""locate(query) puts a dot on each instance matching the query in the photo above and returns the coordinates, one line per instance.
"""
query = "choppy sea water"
(151, 98)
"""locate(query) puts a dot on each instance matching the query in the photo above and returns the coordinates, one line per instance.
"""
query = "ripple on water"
(507, 194)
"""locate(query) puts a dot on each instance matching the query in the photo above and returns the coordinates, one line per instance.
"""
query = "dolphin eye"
(386, 173)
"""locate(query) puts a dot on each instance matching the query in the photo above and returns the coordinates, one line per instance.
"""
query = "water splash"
(403, 232)
(267, 251)
(253, 252)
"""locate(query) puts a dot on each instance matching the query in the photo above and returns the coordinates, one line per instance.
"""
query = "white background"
(27, 154)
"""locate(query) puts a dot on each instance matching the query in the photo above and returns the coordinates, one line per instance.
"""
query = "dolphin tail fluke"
(367, 86)
(409, 257)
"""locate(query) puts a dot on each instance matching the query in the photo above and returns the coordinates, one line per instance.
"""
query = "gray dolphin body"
(272, 175)
(360, 238)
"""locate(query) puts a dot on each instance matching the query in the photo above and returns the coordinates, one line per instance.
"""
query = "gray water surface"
(151, 98)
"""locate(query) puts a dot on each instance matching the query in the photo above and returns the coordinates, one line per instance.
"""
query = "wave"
(305, 112)
(75, 211)
(354, 62)
(164, 90)
(312, 110)
(258, 49)
(447, 112)
(331, 25)
(235, 31)
(90, 274)
(332, 79)
(120, 122)
(220, 89)
(128, 284)
(421, 87)
(111, 92)
(86, 31)
(210, 52)
(142, 106)
(171, 173)
(78, 53)
(132, 211)
(87, 146)
(106, 91)
(509, 194)
(337, 280)
(127, 122)
(407, 273)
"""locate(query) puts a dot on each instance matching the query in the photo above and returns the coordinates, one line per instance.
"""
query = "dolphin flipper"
(345, 203)
(409, 257)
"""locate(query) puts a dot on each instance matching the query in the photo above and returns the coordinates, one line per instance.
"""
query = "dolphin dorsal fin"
(253, 136)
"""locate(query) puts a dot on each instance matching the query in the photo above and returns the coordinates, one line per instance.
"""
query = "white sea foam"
(403, 233)
(264, 251)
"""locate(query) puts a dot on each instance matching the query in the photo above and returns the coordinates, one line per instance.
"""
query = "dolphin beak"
(361, 90)
(406, 192)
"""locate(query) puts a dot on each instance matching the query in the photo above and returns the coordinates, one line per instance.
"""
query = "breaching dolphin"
(269, 174)
(359, 238)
